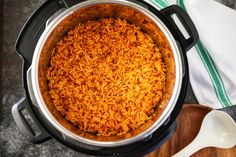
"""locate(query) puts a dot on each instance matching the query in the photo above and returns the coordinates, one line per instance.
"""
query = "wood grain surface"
(188, 125)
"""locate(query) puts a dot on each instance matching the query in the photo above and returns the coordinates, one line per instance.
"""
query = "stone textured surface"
(12, 143)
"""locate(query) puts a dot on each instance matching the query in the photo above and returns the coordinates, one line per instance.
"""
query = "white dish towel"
(212, 62)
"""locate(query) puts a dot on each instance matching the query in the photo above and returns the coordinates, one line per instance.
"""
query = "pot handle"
(36, 134)
(187, 24)
(35, 25)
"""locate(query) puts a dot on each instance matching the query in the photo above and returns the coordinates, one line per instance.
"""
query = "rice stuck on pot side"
(106, 76)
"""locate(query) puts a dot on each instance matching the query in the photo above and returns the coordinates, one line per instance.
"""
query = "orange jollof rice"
(106, 76)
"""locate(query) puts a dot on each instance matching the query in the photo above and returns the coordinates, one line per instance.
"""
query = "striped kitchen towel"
(212, 62)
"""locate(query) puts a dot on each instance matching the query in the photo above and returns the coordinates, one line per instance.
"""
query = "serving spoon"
(218, 129)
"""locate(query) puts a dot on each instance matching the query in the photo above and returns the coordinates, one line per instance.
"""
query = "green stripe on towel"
(214, 75)
(161, 3)
(211, 69)
(207, 61)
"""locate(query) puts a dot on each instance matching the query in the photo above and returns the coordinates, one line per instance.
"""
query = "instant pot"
(48, 25)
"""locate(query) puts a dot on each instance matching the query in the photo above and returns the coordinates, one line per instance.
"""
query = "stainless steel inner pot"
(94, 9)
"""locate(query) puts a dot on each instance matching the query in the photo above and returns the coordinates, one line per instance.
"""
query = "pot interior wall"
(94, 12)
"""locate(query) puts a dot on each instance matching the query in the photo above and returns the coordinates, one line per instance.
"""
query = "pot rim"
(165, 114)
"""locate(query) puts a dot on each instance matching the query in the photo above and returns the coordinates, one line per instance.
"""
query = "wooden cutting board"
(188, 125)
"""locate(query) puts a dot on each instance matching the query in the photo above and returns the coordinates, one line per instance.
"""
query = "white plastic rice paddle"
(218, 129)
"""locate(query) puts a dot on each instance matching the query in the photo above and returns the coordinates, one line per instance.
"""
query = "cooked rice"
(106, 76)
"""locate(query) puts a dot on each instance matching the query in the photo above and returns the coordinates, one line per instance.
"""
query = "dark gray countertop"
(12, 143)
